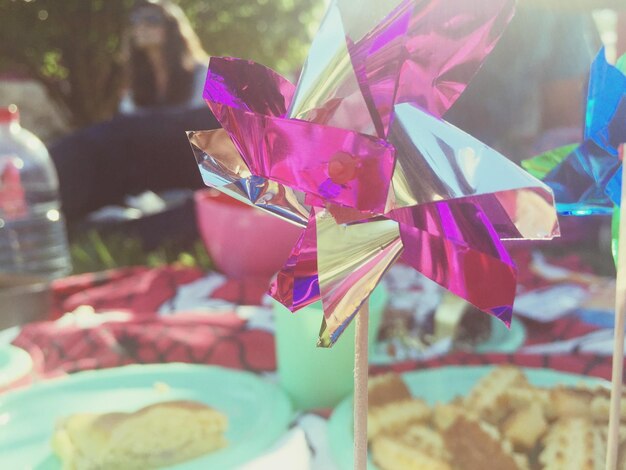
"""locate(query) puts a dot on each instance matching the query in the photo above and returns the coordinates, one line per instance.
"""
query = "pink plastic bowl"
(243, 241)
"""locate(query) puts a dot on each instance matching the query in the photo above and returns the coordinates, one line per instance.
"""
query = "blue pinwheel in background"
(585, 177)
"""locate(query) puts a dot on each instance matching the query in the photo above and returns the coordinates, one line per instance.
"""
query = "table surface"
(167, 314)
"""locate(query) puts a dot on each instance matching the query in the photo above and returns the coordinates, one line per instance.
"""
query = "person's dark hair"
(182, 52)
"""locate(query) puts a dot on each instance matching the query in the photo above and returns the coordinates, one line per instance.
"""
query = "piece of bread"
(600, 408)
(386, 388)
(445, 414)
(573, 444)
(621, 456)
(426, 439)
(158, 435)
(570, 402)
(390, 453)
(390, 405)
(477, 445)
(484, 399)
(524, 427)
(517, 398)
(394, 416)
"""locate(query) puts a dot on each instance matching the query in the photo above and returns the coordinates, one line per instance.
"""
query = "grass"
(93, 252)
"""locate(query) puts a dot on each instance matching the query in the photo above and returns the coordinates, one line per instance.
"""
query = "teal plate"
(434, 385)
(501, 340)
(258, 411)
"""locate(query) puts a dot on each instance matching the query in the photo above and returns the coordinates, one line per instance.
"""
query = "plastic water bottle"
(33, 240)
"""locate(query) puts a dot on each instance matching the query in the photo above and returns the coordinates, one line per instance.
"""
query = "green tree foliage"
(74, 46)
(275, 33)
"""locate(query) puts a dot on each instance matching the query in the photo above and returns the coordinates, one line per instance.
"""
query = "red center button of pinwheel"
(342, 168)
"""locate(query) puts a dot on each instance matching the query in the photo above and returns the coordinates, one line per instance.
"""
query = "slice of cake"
(156, 436)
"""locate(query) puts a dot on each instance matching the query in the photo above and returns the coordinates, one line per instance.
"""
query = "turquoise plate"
(501, 340)
(258, 411)
(434, 385)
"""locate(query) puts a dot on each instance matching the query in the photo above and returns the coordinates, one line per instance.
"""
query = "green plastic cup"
(318, 377)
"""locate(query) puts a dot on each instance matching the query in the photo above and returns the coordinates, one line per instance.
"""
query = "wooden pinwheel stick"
(360, 388)
(618, 345)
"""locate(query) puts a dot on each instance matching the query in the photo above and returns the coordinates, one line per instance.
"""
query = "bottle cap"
(9, 114)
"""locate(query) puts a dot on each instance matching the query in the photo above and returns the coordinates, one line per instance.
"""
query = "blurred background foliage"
(93, 252)
(74, 47)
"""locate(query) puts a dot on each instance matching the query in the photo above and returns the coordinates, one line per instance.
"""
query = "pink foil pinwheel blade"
(339, 166)
(454, 244)
(461, 221)
(246, 85)
(377, 59)
(485, 281)
(447, 42)
(296, 284)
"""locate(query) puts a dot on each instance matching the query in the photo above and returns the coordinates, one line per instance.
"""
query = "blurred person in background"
(143, 148)
(166, 63)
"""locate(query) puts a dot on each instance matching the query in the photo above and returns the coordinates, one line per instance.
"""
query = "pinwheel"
(585, 176)
(358, 154)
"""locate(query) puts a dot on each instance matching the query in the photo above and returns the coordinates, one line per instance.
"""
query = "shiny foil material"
(386, 52)
(358, 153)
(544, 163)
(435, 161)
(297, 283)
(341, 166)
(587, 180)
(223, 168)
(351, 258)
(451, 243)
